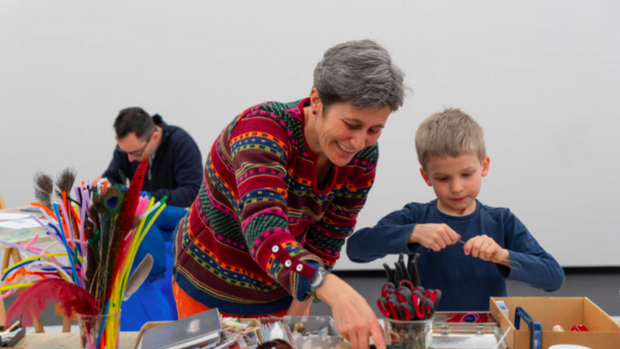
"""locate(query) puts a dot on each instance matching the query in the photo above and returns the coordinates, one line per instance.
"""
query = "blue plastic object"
(533, 326)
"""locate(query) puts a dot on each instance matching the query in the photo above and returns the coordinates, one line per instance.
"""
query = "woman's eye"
(373, 131)
(351, 127)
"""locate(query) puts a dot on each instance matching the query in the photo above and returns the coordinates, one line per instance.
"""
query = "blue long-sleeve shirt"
(466, 282)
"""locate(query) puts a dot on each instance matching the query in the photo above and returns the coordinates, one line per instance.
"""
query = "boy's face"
(456, 182)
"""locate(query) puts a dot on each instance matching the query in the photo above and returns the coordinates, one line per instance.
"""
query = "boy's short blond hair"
(449, 133)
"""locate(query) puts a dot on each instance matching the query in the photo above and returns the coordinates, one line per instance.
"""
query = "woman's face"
(343, 130)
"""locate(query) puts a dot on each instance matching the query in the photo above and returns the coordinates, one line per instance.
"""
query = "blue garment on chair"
(154, 301)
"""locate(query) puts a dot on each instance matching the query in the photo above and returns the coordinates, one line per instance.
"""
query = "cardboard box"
(152, 324)
(603, 331)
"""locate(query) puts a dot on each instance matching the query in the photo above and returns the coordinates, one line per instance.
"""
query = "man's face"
(135, 148)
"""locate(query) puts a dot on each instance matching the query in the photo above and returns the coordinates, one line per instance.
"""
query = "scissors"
(412, 266)
(387, 289)
(389, 273)
(393, 308)
(434, 296)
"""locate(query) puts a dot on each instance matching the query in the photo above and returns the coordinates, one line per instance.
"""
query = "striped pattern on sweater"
(260, 226)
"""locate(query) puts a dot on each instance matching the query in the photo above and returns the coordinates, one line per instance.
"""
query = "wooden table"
(22, 236)
(67, 340)
(19, 237)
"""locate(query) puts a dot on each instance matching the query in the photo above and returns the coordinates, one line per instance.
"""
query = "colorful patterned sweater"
(260, 226)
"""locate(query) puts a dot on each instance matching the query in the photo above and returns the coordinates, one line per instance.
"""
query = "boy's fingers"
(445, 238)
(454, 237)
(486, 249)
(475, 250)
(467, 246)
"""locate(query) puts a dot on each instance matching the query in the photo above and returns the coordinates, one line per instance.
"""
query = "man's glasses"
(137, 153)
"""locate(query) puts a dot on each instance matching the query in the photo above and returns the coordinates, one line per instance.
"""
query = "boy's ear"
(485, 165)
(426, 177)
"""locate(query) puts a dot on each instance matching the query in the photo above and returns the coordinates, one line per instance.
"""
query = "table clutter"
(240, 333)
(100, 229)
(12, 335)
(549, 318)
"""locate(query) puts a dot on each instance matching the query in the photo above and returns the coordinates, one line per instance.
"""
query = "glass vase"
(100, 331)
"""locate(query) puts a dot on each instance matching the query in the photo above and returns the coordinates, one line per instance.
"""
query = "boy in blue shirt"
(465, 247)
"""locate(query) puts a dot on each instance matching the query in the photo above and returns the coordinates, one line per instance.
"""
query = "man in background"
(175, 170)
(175, 164)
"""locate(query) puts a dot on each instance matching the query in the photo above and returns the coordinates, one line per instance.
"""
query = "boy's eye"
(466, 174)
(442, 179)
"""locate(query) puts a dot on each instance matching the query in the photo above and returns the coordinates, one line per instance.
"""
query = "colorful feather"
(33, 301)
(126, 218)
(132, 198)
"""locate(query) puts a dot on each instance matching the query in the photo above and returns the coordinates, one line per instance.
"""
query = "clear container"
(311, 324)
(417, 334)
(99, 331)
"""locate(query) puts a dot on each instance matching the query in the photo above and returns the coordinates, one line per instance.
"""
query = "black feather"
(43, 189)
(65, 181)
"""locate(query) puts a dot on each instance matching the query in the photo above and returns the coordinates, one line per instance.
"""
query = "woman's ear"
(315, 100)
(485, 165)
(426, 177)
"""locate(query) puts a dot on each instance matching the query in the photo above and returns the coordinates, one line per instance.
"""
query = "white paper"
(12, 216)
(22, 224)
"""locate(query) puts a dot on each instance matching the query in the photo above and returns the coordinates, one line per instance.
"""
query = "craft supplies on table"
(603, 332)
(313, 332)
(275, 328)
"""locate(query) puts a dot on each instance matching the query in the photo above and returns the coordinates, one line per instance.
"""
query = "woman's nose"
(359, 141)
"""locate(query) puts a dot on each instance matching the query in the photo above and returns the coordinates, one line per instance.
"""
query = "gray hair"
(449, 133)
(360, 73)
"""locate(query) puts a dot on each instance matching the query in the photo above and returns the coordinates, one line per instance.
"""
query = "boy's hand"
(487, 249)
(433, 236)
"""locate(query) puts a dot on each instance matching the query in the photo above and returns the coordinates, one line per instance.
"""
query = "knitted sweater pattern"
(261, 223)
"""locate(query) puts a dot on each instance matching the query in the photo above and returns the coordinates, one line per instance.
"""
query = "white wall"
(541, 77)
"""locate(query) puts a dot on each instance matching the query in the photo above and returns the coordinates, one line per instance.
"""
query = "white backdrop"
(542, 78)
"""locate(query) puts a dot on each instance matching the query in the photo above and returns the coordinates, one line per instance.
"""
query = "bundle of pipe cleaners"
(100, 230)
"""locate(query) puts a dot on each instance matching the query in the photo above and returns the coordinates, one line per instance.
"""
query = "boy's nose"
(456, 187)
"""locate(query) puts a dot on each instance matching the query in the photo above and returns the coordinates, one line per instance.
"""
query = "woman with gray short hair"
(283, 185)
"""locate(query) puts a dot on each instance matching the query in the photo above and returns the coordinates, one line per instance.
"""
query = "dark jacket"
(175, 170)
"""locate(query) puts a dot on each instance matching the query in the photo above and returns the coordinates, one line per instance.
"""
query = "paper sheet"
(12, 216)
(22, 224)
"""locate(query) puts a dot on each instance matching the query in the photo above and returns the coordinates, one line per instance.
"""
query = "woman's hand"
(433, 236)
(298, 308)
(487, 249)
(354, 318)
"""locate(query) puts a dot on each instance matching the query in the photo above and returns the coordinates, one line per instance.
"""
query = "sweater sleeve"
(119, 162)
(187, 172)
(260, 149)
(538, 268)
(389, 236)
(326, 237)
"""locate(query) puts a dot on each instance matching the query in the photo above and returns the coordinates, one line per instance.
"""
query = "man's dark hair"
(133, 120)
